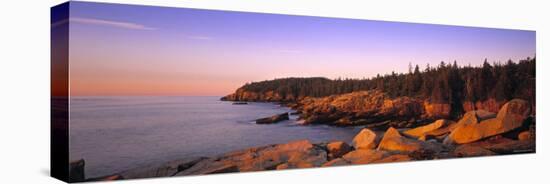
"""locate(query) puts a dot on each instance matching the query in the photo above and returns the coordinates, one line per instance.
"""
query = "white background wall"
(24, 90)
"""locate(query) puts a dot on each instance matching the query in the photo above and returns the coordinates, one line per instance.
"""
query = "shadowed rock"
(526, 135)
(273, 119)
(503, 145)
(240, 103)
(209, 166)
(76, 171)
(471, 151)
(336, 162)
(337, 149)
(163, 170)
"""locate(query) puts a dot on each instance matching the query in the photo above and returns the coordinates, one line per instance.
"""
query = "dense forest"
(445, 83)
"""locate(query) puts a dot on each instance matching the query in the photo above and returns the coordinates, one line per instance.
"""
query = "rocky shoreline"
(478, 133)
(372, 108)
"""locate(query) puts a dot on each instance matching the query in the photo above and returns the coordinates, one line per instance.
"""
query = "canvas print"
(147, 91)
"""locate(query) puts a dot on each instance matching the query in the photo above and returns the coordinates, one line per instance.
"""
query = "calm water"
(114, 134)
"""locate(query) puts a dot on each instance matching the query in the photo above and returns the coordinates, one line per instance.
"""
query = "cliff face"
(364, 107)
(250, 96)
(367, 107)
(362, 103)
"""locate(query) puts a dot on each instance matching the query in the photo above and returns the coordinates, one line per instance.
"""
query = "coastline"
(176, 134)
(439, 139)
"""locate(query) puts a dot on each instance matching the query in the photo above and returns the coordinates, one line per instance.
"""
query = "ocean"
(114, 134)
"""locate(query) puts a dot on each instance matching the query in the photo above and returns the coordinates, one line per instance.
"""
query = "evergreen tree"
(446, 83)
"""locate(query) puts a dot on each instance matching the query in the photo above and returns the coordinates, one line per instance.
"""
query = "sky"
(128, 50)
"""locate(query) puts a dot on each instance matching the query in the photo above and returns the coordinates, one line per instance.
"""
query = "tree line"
(444, 83)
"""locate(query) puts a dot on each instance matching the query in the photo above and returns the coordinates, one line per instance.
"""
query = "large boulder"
(364, 156)
(422, 130)
(513, 113)
(510, 117)
(337, 149)
(294, 154)
(468, 122)
(297, 154)
(394, 141)
(365, 139)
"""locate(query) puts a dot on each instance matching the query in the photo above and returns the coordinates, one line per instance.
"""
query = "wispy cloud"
(199, 37)
(111, 23)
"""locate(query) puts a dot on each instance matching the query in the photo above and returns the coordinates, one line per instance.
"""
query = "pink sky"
(118, 50)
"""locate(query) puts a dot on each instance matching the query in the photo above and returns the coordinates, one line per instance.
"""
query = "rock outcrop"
(296, 154)
(273, 119)
(359, 108)
(268, 96)
(365, 108)
(366, 139)
(394, 141)
(472, 127)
